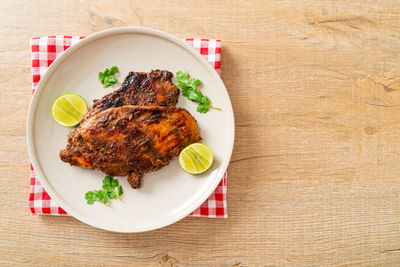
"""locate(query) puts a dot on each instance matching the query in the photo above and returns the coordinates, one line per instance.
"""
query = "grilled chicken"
(130, 140)
(153, 88)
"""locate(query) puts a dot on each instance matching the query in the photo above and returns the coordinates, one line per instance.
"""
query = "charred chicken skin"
(131, 140)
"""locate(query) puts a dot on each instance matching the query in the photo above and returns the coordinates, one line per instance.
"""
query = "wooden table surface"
(315, 173)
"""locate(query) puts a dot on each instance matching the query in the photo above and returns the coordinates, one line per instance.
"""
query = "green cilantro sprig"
(107, 77)
(188, 86)
(111, 190)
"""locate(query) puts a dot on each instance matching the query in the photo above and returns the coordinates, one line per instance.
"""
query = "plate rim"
(35, 101)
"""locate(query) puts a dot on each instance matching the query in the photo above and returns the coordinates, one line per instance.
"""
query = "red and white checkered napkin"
(44, 52)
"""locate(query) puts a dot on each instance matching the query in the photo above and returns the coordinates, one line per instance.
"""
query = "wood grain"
(314, 177)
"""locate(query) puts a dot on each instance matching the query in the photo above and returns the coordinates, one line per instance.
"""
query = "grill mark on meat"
(113, 104)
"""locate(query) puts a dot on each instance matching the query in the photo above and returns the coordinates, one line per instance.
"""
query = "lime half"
(68, 109)
(196, 158)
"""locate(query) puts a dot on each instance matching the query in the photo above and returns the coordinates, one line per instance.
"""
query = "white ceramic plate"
(166, 195)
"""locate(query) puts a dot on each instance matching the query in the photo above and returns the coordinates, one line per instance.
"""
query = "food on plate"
(130, 140)
(188, 86)
(153, 88)
(196, 158)
(137, 129)
(68, 109)
(111, 189)
(107, 77)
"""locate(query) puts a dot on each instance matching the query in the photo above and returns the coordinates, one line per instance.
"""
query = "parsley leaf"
(189, 89)
(113, 70)
(202, 108)
(195, 82)
(120, 190)
(108, 192)
(182, 76)
(107, 77)
(111, 194)
(194, 95)
(103, 197)
(91, 196)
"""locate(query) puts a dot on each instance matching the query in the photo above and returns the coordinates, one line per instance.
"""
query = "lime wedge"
(196, 158)
(68, 109)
